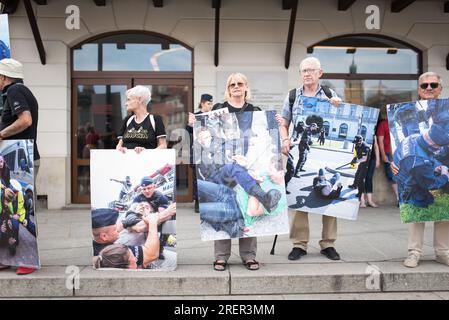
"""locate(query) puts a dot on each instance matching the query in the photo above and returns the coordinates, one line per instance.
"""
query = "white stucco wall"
(252, 37)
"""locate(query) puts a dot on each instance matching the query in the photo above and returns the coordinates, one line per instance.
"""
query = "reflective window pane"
(83, 181)
(132, 52)
(374, 93)
(367, 60)
(101, 109)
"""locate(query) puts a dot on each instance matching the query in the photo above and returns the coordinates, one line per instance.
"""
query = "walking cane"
(274, 244)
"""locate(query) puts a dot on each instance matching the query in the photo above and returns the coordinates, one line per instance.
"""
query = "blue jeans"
(234, 173)
(217, 203)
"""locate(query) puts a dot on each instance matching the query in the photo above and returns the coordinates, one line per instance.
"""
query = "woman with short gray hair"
(141, 130)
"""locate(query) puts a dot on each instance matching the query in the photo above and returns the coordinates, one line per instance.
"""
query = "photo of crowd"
(329, 157)
(420, 143)
(18, 234)
(134, 209)
(239, 173)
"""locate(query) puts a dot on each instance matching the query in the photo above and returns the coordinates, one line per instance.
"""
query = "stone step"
(201, 280)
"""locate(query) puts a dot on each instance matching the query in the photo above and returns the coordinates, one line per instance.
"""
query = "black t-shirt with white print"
(142, 134)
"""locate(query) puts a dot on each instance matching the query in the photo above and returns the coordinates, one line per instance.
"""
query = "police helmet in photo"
(146, 181)
(103, 217)
(357, 139)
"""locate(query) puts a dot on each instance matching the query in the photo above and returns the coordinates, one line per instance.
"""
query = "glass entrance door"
(99, 107)
(99, 110)
(172, 100)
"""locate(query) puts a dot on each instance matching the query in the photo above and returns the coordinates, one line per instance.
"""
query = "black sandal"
(249, 265)
(220, 265)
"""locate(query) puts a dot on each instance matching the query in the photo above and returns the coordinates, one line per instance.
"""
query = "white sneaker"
(412, 259)
(443, 258)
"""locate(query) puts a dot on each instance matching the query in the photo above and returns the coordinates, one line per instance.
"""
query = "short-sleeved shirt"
(157, 200)
(297, 107)
(142, 134)
(384, 131)
(17, 98)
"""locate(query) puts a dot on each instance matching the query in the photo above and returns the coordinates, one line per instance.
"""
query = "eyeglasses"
(309, 71)
(433, 85)
(236, 84)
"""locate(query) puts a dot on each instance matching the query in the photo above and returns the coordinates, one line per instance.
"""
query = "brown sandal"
(252, 265)
(220, 265)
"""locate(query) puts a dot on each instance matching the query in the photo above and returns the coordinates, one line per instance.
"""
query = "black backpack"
(292, 96)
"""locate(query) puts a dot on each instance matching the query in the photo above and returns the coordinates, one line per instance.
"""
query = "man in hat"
(205, 105)
(104, 229)
(20, 113)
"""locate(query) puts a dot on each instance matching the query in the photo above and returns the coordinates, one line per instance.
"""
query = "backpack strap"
(291, 99)
(152, 121)
(327, 91)
(130, 119)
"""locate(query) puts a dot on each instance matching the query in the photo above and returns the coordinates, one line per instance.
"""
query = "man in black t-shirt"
(19, 115)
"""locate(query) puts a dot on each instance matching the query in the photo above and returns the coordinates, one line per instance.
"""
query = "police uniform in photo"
(417, 164)
(304, 147)
(361, 150)
(107, 217)
(408, 117)
(157, 200)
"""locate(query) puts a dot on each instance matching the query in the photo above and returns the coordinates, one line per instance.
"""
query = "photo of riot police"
(329, 156)
(133, 210)
(239, 175)
(18, 232)
(420, 131)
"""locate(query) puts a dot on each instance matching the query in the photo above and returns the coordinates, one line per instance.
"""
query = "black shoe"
(268, 199)
(331, 253)
(352, 186)
(302, 170)
(287, 192)
(296, 254)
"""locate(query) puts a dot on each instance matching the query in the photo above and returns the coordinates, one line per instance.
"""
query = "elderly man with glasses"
(430, 87)
(311, 72)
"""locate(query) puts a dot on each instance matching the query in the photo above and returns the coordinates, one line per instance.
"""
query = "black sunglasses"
(433, 85)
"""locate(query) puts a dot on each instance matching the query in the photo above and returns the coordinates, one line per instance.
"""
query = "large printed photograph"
(329, 157)
(240, 176)
(18, 233)
(420, 144)
(133, 213)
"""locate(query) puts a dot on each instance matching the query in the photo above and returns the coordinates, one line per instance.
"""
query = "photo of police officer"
(18, 232)
(134, 209)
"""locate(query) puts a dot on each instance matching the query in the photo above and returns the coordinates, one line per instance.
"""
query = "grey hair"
(313, 60)
(430, 74)
(140, 92)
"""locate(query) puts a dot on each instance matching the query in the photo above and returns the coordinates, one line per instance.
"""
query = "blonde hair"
(113, 256)
(140, 92)
(237, 76)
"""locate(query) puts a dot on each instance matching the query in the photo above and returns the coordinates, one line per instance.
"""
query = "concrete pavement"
(372, 250)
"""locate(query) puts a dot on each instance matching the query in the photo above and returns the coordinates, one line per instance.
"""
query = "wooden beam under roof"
(291, 30)
(35, 30)
(216, 4)
(399, 5)
(344, 5)
(158, 3)
(100, 3)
